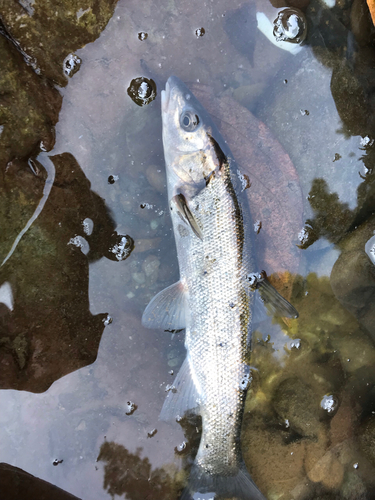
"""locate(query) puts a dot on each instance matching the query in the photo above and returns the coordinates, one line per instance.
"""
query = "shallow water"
(74, 355)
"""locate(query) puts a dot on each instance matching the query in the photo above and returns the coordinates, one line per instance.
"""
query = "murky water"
(82, 381)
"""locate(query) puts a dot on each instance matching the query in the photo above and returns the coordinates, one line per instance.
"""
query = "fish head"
(189, 140)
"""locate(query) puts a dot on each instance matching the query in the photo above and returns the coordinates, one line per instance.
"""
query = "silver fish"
(214, 297)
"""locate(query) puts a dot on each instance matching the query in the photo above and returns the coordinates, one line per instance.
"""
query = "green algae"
(286, 424)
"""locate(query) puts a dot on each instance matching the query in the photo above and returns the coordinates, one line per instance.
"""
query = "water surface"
(82, 381)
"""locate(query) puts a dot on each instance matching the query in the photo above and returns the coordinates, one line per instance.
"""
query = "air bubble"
(200, 32)
(370, 249)
(121, 248)
(112, 179)
(329, 403)
(80, 242)
(152, 433)
(108, 320)
(170, 388)
(303, 236)
(366, 141)
(88, 226)
(290, 26)
(147, 205)
(181, 447)
(142, 90)
(295, 344)
(257, 226)
(244, 179)
(71, 65)
(130, 408)
(142, 36)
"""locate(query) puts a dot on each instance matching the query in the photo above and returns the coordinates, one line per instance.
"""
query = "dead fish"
(213, 300)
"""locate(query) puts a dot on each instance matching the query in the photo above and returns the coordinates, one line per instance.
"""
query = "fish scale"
(217, 332)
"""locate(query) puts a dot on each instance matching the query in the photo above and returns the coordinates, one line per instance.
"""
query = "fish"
(215, 295)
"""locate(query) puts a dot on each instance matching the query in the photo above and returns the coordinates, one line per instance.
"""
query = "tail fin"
(204, 486)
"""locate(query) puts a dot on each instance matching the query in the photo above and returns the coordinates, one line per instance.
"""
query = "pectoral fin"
(270, 296)
(168, 309)
(274, 301)
(186, 214)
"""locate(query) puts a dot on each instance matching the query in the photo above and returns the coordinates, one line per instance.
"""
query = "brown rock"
(264, 450)
(327, 470)
(29, 107)
(341, 426)
(48, 32)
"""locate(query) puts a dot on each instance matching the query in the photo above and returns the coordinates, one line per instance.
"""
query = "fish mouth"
(165, 95)
(173, 86)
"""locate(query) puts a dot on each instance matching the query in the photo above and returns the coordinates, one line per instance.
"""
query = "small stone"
(156, 178)
(328, 470)
(71, 65)
(173, 362)
(139, 278)
(145, 244)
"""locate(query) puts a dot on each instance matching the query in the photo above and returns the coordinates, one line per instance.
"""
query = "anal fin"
(168, 309)
(182, 397)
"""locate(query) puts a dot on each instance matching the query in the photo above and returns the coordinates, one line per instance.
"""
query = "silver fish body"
(213, 300)
(214, 271)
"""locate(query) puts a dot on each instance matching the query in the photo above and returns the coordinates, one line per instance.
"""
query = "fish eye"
(189, 121)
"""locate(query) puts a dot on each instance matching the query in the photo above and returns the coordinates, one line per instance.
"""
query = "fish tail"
(204, 486)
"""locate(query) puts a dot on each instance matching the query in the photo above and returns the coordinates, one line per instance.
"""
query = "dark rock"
(48, 32)
(16, 484)
(296, 402)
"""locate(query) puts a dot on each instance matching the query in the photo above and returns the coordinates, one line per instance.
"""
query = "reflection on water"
(130, 475)
(49, 330)
(300, 124)
(16, 483)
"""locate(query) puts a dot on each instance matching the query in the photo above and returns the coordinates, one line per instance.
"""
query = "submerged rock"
(296, 402)
(353, 275)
